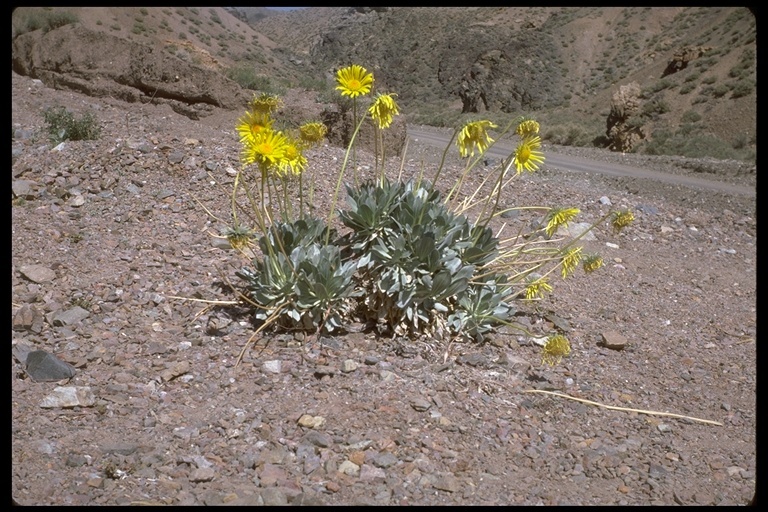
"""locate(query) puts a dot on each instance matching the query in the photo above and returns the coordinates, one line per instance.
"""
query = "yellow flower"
(266, 103)
(239, 237)
(293, 159)
(312, 133)
(622, 219)
(474, 135)
(354, 81)
(527, 128)
(556, 347)
(252, 124)
(537, 288)
(527, 155)
(266, 149)
(384, 109)
(559, 217)
(570, 260)
(592, 262)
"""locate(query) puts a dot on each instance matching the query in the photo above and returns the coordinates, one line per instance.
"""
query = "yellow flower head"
(527, 128)
(559, 217)
(556, 348)
(536, 288)
(294, 160)
(592, 262)
(622, 219)
(474, 135)
(252, 124)
(239, 237)
(267, 149)
(266, 103)
(312, 133)
(570, 261)
(354, 81)
(527, 155)
(384, 109)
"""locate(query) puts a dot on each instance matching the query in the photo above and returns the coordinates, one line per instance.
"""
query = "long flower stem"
(339, 180)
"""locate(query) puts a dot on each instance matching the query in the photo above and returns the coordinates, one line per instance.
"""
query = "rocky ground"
(107, 234)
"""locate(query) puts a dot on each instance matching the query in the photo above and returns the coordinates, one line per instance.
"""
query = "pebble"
(309, 421)
(348, 366)
(349, 468)
(447, 483)
(274, 366)
(368, 473)
(202, 475)
(420, 404)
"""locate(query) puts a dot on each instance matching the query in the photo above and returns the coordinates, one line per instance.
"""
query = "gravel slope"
(114, 227)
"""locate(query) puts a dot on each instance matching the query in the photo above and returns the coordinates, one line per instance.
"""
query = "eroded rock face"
(682, 57)
(341, 127)
(74, 57)
(623, 134)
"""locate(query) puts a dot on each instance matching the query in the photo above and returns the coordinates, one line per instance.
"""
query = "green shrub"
(703, 145)
(247, 77)
(62, 125)
(742, 89)
(686, 88)
(45, 20)
(690, 116)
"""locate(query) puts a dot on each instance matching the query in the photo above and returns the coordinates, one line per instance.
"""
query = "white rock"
(274, 366)
(70, 396)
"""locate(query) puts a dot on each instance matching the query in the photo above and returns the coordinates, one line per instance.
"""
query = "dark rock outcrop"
(620, 130)
(341, 127)
(682, 57)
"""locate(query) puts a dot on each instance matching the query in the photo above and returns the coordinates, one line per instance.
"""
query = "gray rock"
(119, 447)
(28, 318)
(447, 483)
(38, 273)
(385, 460)
(69, 317)
(24, 188)
(274, 496)
(72, 396)
(369, 473)
(202, 475)
(420, 404)
(319, 439)
(575, 229)
(44, 367)
(604, 200)
(649, 210)
(474, 359)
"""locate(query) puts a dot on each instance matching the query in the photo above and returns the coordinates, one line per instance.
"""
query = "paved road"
(575, 163)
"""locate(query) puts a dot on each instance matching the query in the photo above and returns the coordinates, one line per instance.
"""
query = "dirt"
(122, 229)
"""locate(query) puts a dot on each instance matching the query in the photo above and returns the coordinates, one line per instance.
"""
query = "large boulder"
(624, 134)
(682, 57)
(99, 64)
(341, 127)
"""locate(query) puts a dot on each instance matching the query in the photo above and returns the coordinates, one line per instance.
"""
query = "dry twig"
(615, 408)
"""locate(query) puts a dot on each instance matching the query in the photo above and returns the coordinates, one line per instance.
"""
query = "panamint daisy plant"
(401, 256)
